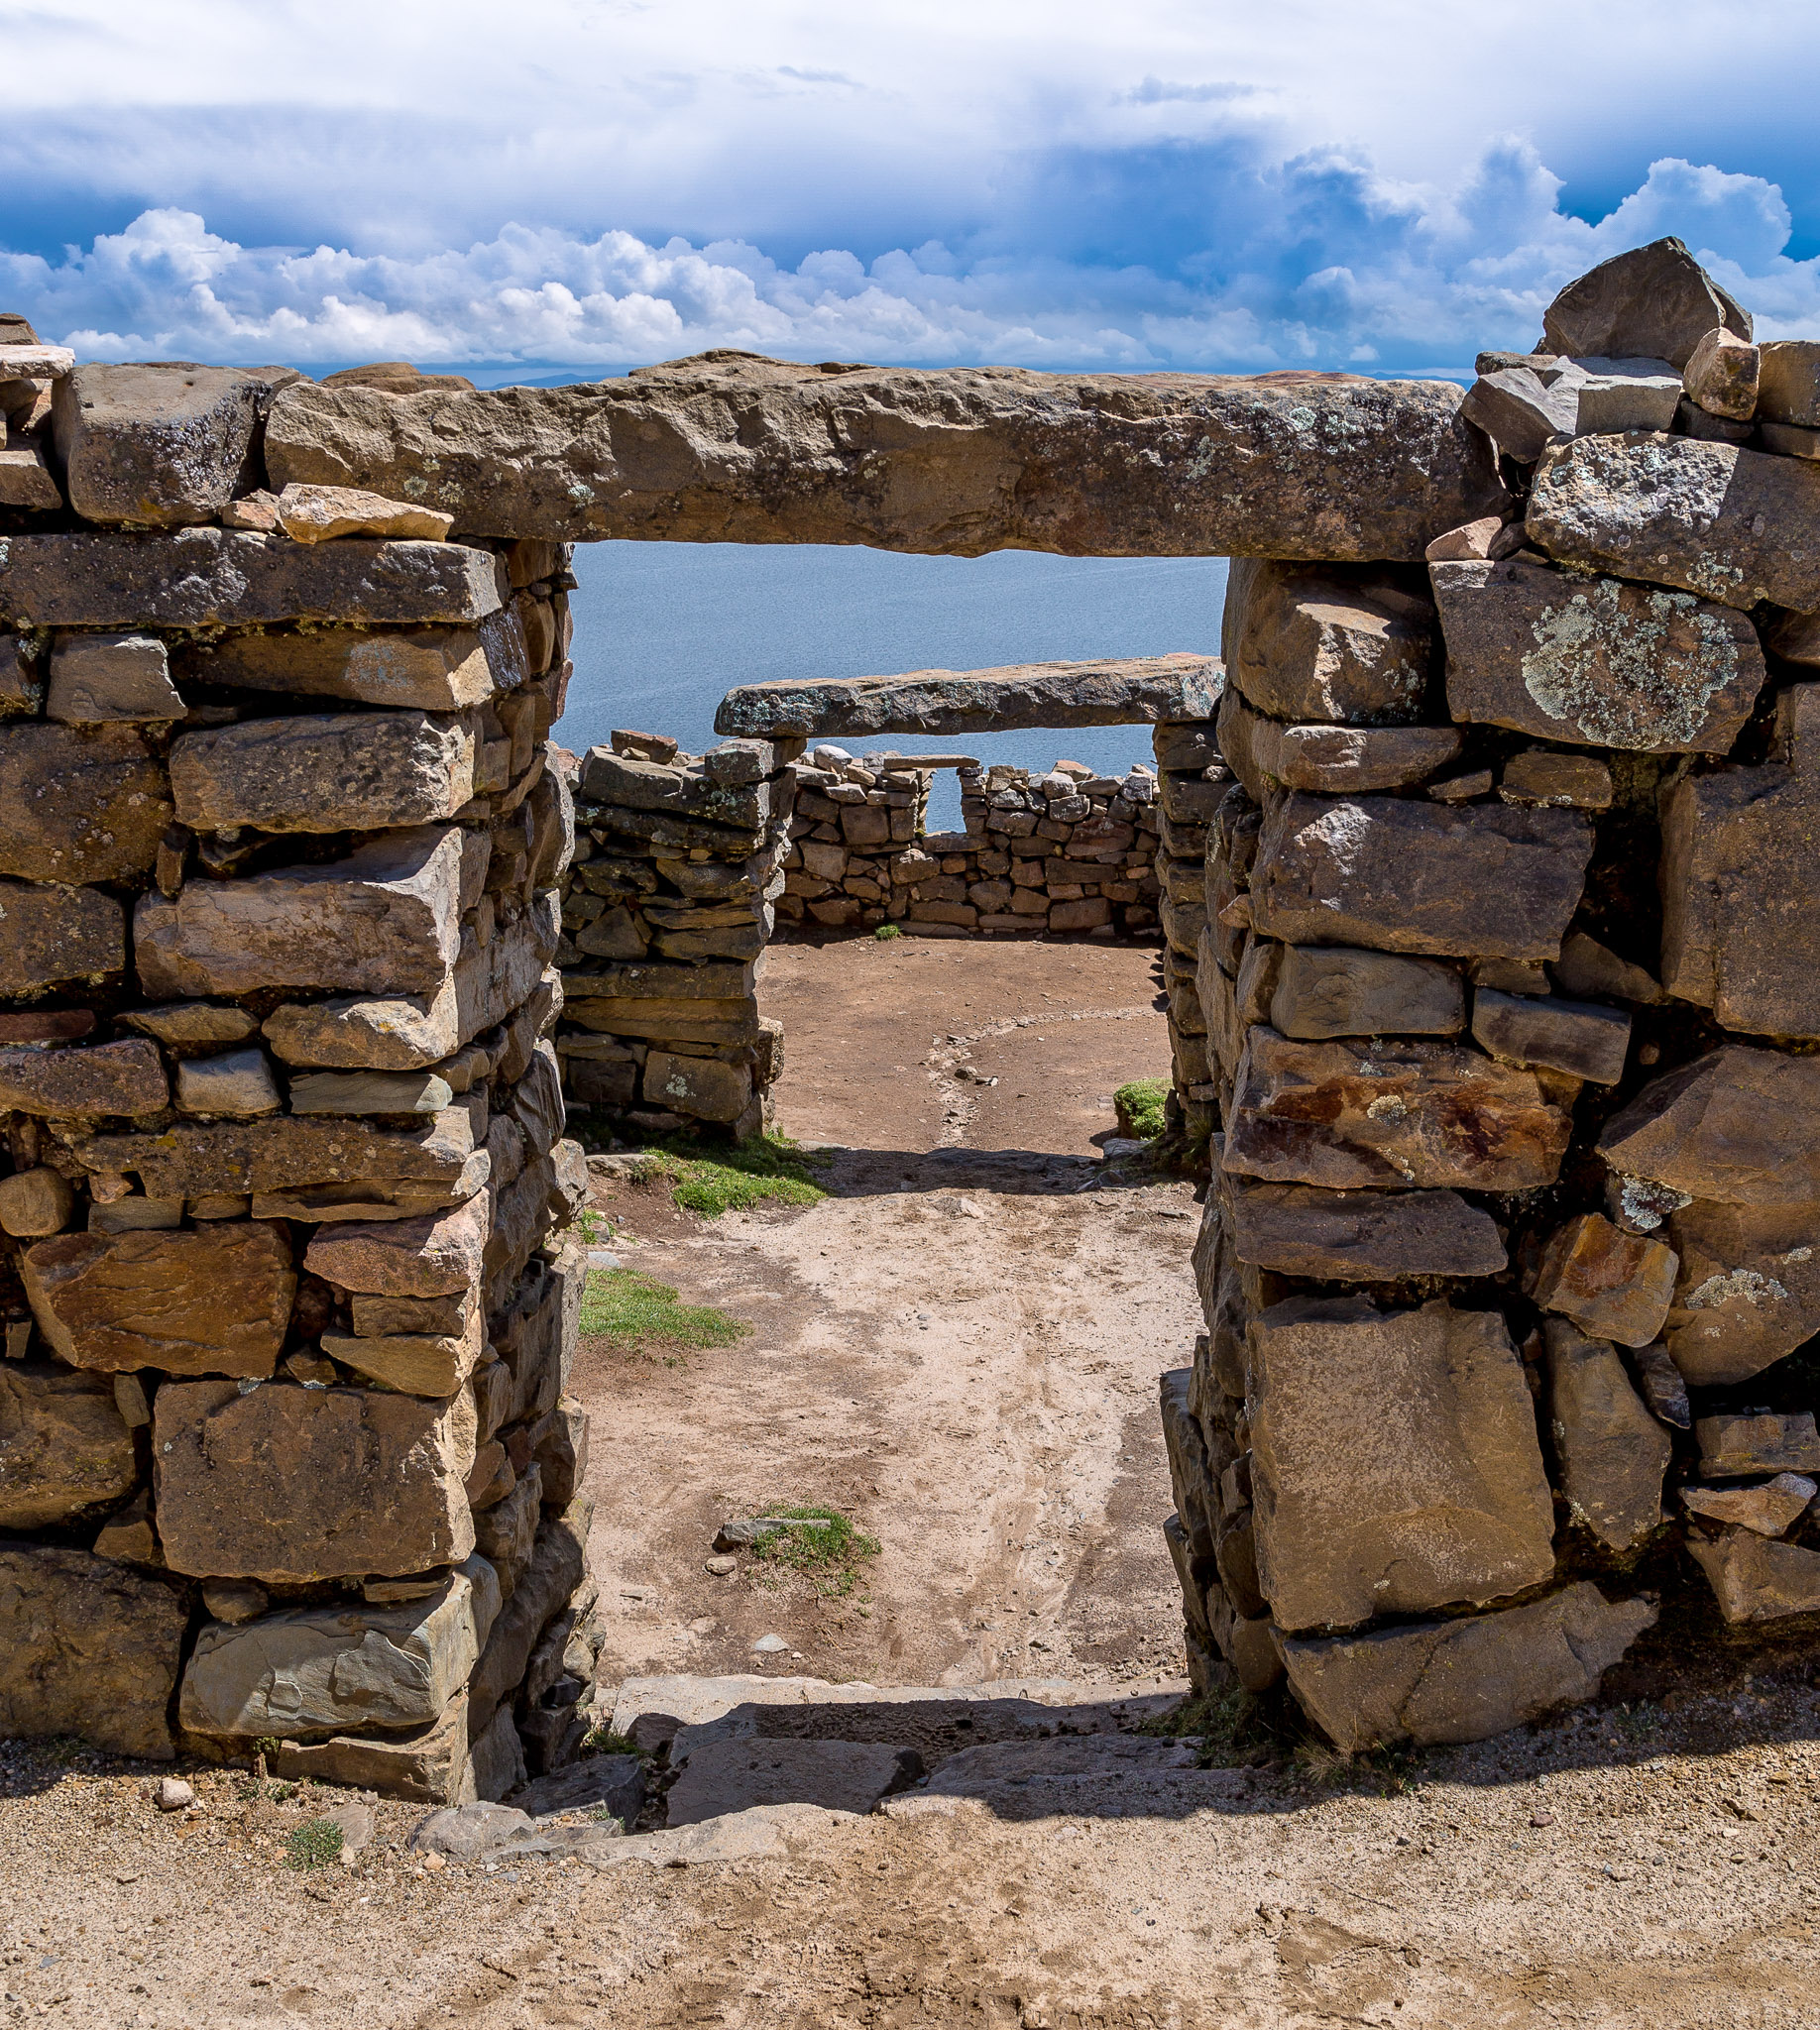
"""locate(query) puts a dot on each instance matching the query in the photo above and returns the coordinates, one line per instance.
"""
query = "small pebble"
(174, 1794)
(1542, 1818)
(769, 1645)
(722, 1566)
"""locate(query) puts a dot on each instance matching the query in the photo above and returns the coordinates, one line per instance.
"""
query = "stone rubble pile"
(284, 1453)
(668, 906)
(1506, 961)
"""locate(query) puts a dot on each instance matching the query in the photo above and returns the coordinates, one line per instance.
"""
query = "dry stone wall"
(1503, 972)
(290, 1305)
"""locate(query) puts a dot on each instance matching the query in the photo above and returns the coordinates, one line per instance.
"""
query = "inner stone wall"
(289, 1301)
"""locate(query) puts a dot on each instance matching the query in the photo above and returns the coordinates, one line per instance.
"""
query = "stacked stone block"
(668, 908)
(284, 1453)
(1508, 983)
(1191, 780)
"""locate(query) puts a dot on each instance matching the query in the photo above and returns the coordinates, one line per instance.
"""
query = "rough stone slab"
(437, 1256)
(321, 1669)
(159, 445)
(1339, 760)
(51, 936)
(1395, 876)
(34, 1202)
(436, 669)
(87, 1648)
(320, 514)
(1730, 524)
(839, 1775)
(387, 918)
(1648, 303)
(729, 448)
(1464, 1680)
(1611, 1284)
(419, 1363)
(1747, 1290)
(79, 804)
(1393, 1114)
(221, 578)
(1576, 782)
(1580, 1038)
(368, 1093)
(1788, 382)
(235, 1084)
(1611, 1452)
(1353, 648)
(1393, 1447)
(1737, 1125)
(1596, 662)
(424, 1765)
(263, 1156)
(290, 1484)
(1360, 1236)
(97, 678)
(212, 1301)
(63, 1445)
(1143, 692)
(611, 1783)
(1734, 1446)
(1756, 1580)
(1325, 991)
(1769, 1510)
(634, 784)
(97, 1078)
(344, 771)
(702, 1087)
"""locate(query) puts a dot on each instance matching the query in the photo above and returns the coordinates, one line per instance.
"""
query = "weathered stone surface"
(266, 1155)
(1465, 1680)
(344, 771)
(1045, 694)
(438, 669)
(731, 448)
(419, 1363)
(1722, 375)
(1393, 1114)
(237, 1084)
(632, 784)
(611, 1783)
(34, 1202)
(1610, 1452)
(1569, 782)
(215, 577)
(1521, 407)
(80, 805)
(184, 1025)
(95, 678)
(496, 1755)
(51, 936)
(1654, 302)
(1612, 1283)
(1747, 1290)
(839, 1775)
(98, 1079)
(318, 1670)
(1326, 990)
(1741, 884)
(1360, 1236)
(1580, 1038)
(554, 1572)
(1316, 643)
(290, 1484)
(387, 918)
(1337, 758)
(1396, 875)
(1756, 1580)
(424, 1766)
(437, 1256)
(1764, 1442)
(87, 1648)
(63, 1445)
(702, 1087)
(25, 479)
(159, 445)
(235, 1600)
(319, 514)
(1788, 382)
(1740, 1126)
(368, 1093)
(1769, 1510)
(214, 1302)
(1659, 1382)
(1730, 524)
(1595, 663)
(1394, 1461)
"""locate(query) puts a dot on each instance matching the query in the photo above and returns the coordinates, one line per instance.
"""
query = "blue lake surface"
(663, 630)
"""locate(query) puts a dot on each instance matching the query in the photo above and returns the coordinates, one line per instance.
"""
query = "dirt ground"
(958, 1347)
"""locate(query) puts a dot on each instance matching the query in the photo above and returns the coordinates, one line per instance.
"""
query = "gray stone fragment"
(1596, 662)
(187, 1025)
(1519, 410)
(1624, 395)
(1722, 375)
(344, 771)
(1326, 643)
(1464, 1680)
(95, 678)
(467, 1832)
(368, 1093)
(1788, 382)
(1337, 758)
(614, 1783)
(1580, 1038)
(1655, 302)
(685, 789)
(238, 1082)
(1359, 1236)
(1612, 1453)
(839, 1775)
(1659, 1382)
(1564, 782)
(1587, 968)
(1325, 991)
(1757, 1580)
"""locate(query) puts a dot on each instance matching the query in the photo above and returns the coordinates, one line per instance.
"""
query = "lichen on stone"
(1630, 678)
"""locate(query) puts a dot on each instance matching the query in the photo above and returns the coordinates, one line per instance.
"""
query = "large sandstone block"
(222, 577)
(290, 1484)
(315, 1671)
(1143, 692)
(386, 918)
(1314, 642)
(99, 1079)
(88, 1648)
(344, 771)
(1393, 1114)
(958, 460)
(1325, 991)
(424, 1764)
(1335, 760)
(1359, 1236)
(79, 803)
(1653, 303)
(1395, 1465)
(212, 1301)
(1611, 1452)
(63, 1445)
(1730, 524)
(1740, 1126)
(634, 784)
(1464, 1680)
(1747, 1290)
(436, 1255)
(196, 1160)
(1595, 663)
(1396, 875)
(438, 669)
(159, 445)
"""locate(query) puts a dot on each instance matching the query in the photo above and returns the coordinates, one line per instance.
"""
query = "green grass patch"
(315, 1844)
(602, 1740)
(887, 932)
(633, 1311)
(771, 1167)
(829, 1558)
(1140, 1107)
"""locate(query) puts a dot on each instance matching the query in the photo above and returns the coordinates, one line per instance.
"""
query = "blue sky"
(581, 186)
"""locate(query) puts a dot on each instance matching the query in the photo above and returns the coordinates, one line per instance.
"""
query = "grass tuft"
(315, 1844)
(1140, 1107)
(602, 1740)
(828, 1558)
(887, 932)
(771, 1167)
(631, 1311)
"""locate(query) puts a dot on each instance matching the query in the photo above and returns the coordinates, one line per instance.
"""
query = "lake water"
(662, 630)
